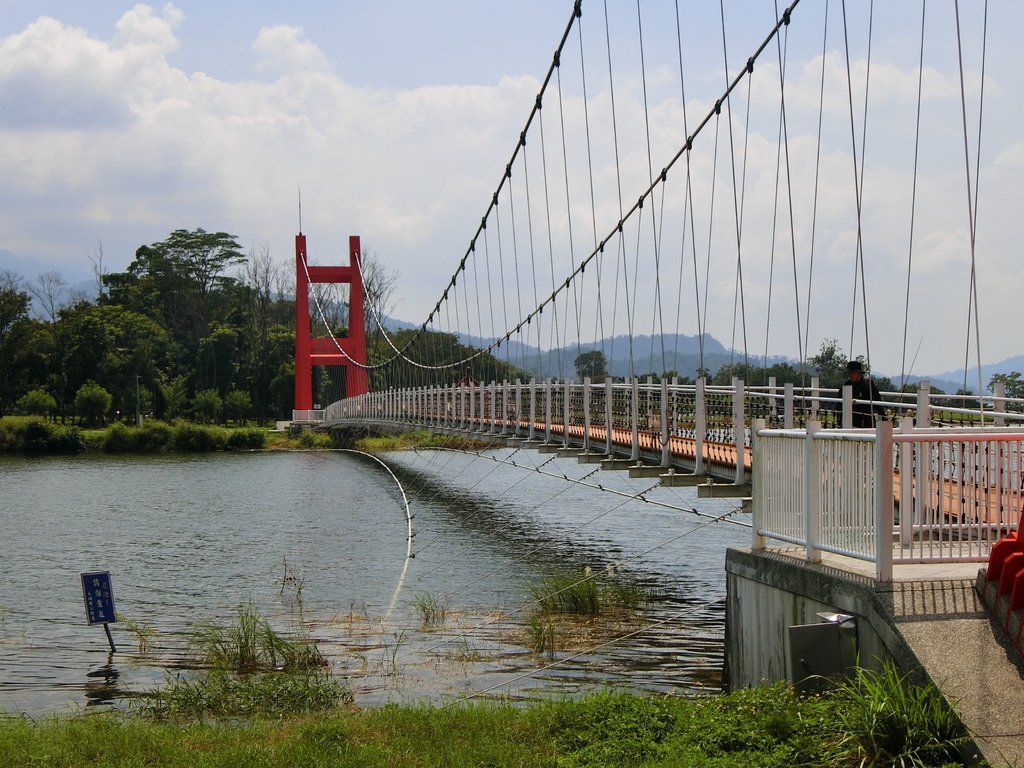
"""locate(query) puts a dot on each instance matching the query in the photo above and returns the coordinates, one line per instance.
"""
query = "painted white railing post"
(998, 393)
(483, 407)
(907, 506)
(586, 414)
(815, 402)
(924, 407)
(739, 429)
(494, 408)
(757, 483)
(811, 510)
(533, 415)
(547, 411)
(519, 408)
(787, 408)
(465, 394)
(773, 405)
(664, 423)
(609, 415)
(847, 406)
(566, 412)
(883, 500)
(635, 454)
(648, 410)
(700, 425)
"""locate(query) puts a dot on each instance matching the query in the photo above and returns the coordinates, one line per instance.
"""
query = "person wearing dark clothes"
(863, 389)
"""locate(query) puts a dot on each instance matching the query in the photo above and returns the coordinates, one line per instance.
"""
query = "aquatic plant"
(432, 613)
(568, 594)
(250, 644)
(586, 595)
(291, 579)
(542, 635)
(142, 631)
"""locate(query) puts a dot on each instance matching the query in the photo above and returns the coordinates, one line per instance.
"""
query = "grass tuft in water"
(585, 595)
(247, 669)
(142, 631)
(250, 644)
(432, 612)
(542, 635)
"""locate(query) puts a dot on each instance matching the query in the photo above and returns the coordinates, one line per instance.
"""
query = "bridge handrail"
(957, 491)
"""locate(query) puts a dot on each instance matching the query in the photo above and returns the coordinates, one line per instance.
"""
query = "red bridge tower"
(345, 351)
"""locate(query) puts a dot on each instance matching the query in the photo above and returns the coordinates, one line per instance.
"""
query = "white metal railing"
(633, 416)
(915, 495)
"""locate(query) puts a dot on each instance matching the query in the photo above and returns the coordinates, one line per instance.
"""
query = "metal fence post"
(533, 418)
(739, 429)
(883, 500)
(924, 408)
(547, 411)
(812, 476)
(566, 412)
(664, 423)
(586, 414)
(700, 425)
(635, 454)
(757, 483)
(907, 506)
(609, 419)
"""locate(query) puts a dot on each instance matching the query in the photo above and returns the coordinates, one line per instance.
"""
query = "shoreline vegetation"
(871, 719)
(251, 696)
(38, 435)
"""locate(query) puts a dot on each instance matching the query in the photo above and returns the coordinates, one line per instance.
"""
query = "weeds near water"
(542, 636)
(432, 613)
(142, 631)
(291, 580)
(568, 594)
(221, 694)
(390, 659)
(250, 644)
(248, 669)
(894, 722)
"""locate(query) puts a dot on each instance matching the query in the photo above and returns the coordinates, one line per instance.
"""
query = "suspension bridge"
(635, 209)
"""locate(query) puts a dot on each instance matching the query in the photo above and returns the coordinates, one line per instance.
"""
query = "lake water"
(189, 538)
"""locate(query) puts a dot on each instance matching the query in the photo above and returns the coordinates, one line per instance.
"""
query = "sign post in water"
(99, 602)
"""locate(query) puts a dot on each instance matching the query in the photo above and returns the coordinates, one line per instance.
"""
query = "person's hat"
(855, 365)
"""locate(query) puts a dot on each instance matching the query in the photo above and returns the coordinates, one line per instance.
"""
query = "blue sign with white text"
(99, 597)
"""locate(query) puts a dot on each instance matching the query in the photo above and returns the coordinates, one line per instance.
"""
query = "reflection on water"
(101, 684)
(189, 538)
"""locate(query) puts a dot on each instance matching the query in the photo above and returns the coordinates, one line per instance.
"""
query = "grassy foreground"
(768, 726)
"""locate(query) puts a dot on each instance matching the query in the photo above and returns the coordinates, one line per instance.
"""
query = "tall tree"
(15, 331)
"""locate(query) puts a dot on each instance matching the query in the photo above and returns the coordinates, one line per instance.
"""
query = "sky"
(121, 122)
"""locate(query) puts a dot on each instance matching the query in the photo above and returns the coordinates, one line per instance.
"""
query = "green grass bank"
(767, 726)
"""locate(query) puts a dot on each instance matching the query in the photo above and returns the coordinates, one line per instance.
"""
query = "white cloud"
(283, 49)
(106, 140)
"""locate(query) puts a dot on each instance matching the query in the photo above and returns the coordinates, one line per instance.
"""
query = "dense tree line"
(193, 328)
